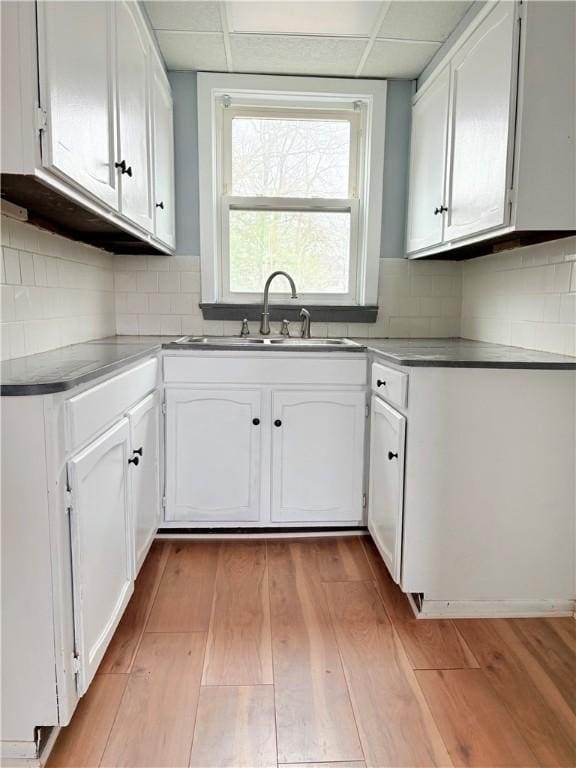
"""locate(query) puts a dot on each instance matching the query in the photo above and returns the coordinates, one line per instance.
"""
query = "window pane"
(290, 158)
(313, 247)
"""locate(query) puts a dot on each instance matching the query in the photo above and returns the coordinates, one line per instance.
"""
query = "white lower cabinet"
(387, 439)
(102, 545)
(317, 456)
(213, 455)
(144, 421)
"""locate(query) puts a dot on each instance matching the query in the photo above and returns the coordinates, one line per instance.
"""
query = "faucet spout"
(265, 316)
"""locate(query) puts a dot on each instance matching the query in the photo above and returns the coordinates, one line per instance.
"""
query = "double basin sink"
(268, 344)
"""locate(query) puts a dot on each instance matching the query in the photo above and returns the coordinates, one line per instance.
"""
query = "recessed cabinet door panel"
(77, 91)
(163, 149)
(428, 165)
(213, 441)
(133, 115)
(102, 544)
(385, 502)
(481, 126)
(145, 444)
(317, 456)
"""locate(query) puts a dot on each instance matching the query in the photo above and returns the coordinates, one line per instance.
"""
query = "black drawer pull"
(380, 383)
(134, 460)
(160, 205)
(255, 422)
(392, 455)
(442, 209)
(139, 451)
(277, 423)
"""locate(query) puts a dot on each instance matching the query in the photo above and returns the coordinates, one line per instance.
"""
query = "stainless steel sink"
(276, 342)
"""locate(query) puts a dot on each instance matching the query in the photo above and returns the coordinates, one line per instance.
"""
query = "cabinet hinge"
(76, 664)
(367, 410)
(164, 409)
(363, 501)
(68, 500)
(163, 502)
(41, 119)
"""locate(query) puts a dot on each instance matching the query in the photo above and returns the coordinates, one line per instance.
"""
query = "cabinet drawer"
(94, 409)
(390, 384)
(275, 368)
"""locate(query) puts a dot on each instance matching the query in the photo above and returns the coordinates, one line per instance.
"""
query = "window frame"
(221, 97)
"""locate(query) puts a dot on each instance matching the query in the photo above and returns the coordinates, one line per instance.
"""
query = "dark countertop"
(463, 353)
(61, 369)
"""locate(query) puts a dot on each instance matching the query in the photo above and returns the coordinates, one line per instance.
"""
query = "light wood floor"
(304, 653)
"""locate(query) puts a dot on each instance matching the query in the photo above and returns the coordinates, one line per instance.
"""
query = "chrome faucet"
(305, 328)
(265, 316)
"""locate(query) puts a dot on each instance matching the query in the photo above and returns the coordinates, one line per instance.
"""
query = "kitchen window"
(291, 178)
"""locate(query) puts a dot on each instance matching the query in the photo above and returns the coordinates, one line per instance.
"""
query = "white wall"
(53, 291)
(524, 297)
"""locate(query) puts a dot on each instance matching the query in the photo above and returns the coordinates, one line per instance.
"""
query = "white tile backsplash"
(525, 297)
(53, 291)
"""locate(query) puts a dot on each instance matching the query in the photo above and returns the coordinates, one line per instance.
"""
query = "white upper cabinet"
(427, 165)
(102, 545)
(481, 128)
(134, 167)
(493, 134)
(317, 456)
(163, 152)
(77, 94)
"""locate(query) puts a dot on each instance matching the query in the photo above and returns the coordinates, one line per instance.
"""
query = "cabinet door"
(76, 74)
(133, 115)
(317, 456)
(428, 165)
(163, 150)
(385, 502)
(213, 443)
(102, 545)
(145, 478)
(482, 126)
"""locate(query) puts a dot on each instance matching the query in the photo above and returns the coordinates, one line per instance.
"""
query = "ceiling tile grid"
(346, 38)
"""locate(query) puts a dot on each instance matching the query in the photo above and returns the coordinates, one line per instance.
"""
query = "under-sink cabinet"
(281, 444)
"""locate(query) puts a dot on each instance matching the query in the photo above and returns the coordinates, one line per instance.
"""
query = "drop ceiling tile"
(185, 15)
(398, 58)
(422, 19)
(341, 17)
(275, 54)
(193, 50)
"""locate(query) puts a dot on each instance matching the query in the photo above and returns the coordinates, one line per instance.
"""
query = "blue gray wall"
(395, 165)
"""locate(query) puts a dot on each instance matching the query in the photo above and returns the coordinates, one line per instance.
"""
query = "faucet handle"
(285, 330)
(245, 329)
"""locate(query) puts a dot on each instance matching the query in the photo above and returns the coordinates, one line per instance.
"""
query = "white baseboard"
(22, 754)
(215, 536)
(494, 609)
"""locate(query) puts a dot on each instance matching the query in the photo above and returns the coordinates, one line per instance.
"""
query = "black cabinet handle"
(380, 383)
(392, 455)
(255, 422)
(442, 209)
(160, 204)
(123, 168)
(139, 451)
(134, 460)
(277, 423)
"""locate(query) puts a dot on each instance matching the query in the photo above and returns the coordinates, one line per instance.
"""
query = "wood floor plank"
(360, 764)
(430, 643)
(395, 724)
(184, 599)
(342, 559)
(548, 729)
(552, 652)
(239, 648)
(235, 728)
(81, 744)
(475, 724)
(122, 649)
(155, 722)
(314, 717)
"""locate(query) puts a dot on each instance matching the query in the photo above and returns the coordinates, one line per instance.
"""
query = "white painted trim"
(280, 89)
(255, 535)
(493, 609)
